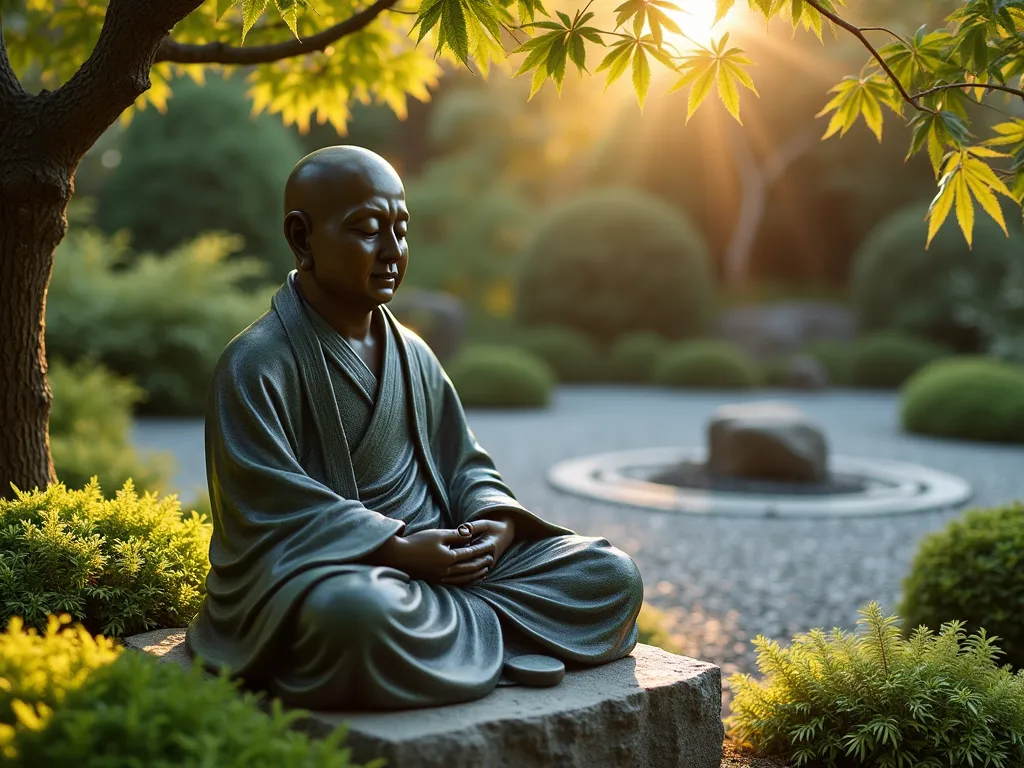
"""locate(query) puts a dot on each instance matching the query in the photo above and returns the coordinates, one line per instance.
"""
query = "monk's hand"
(496, 534)
(438, 555)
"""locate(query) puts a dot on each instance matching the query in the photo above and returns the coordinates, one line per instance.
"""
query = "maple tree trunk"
(42, 139)
(34, 192)
(756, 182)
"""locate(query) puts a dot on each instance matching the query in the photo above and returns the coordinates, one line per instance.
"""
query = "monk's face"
(357, 236)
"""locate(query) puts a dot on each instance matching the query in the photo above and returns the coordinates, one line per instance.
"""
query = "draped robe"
(312, 464)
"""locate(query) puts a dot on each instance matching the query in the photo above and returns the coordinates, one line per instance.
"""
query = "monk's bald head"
(340, 176)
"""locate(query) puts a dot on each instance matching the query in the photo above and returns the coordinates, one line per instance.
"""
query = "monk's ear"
(297, 228)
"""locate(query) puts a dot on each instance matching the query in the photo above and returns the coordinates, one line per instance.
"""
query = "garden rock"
(653, 709)
(805, 372)
(766, 440)
(773, 330)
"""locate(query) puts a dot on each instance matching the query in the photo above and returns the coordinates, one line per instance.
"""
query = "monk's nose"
(390, 249)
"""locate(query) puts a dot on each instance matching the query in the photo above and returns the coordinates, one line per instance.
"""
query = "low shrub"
(632, 357)
(614, 261)
(835, 357)
(72, 699)
(873, 698)
(707, 364)
(899, 284)
(119, 566)
(571, 355)
(90, 429)
(966, 398)
(501, 377)
(160, 320)
(653, 629)
(972, 571)
(885, 360)
(775, 372)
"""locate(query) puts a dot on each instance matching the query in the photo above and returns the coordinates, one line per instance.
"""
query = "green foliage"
(898, 285)
(616, 261)
(887, 359)
(161, 320)
(632, 357)
(90, 429)
(470, 211)
(835, 357)
(187, 172)
(996, 317)
(653, 629)
(572, 356)
(501, 377)
(929, 79)
(71, 699)
(966, 398)
(971, 571)
(707, 364)
(873, 698)
(120, 566)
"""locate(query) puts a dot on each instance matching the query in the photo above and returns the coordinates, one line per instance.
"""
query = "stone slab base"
(652, 709)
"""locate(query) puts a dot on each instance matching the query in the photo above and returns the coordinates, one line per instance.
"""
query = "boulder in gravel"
(766, 441)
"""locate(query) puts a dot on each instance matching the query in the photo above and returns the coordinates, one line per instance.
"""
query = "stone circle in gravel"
(859, 487)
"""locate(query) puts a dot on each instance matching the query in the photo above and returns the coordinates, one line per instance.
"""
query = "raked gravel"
(722, 580)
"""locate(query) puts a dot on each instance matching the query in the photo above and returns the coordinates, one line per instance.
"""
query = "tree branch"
(858, 32)
(10, 87)
(221, 53)
(114, 76)
(988, 86)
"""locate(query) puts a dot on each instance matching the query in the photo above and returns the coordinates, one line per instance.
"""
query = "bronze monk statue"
(366, 553)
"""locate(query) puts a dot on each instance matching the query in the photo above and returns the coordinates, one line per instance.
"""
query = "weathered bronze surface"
(341, 469)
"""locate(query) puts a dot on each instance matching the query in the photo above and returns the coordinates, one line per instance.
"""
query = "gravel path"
(722, 580)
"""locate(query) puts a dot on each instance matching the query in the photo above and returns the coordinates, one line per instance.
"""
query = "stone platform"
(652, 709)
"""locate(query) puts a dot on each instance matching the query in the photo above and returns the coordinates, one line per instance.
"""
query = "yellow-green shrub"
(90, 429)
(161, 320)
(653, 629)
(873, 698)
(120, 566)
(68, 698)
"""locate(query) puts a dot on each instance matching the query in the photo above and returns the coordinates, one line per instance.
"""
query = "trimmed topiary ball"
(119, 566)
(72, 699)
(571, 355)
(501, 377)
(615, 261)
(886, 360)
(896, 284)
(972, 571)
(966, 398)
(207, 165)
(632, 357)
(707, 364)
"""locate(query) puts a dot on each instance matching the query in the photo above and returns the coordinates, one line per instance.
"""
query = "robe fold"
(313, 463)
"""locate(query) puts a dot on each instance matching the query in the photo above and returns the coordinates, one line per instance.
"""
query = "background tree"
(96, 59)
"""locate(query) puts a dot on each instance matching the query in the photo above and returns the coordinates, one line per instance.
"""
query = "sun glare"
(697, 21)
